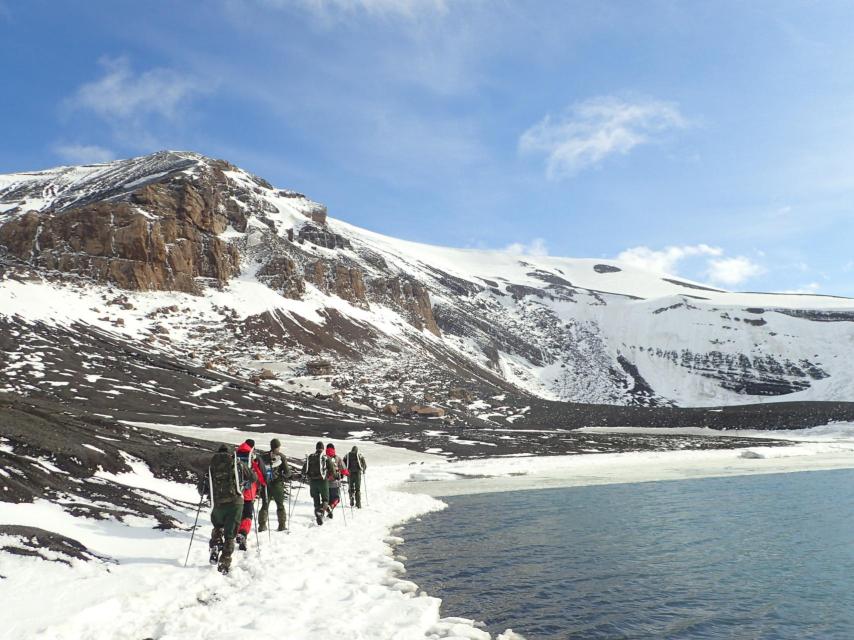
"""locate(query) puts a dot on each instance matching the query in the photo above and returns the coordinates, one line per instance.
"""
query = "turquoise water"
(750, 557)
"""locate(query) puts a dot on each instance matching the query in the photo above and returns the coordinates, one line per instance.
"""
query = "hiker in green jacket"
(355, 463)
(279, 473)
(316, 470)
(223, 484)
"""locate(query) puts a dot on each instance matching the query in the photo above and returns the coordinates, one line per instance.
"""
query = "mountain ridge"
(404, 325)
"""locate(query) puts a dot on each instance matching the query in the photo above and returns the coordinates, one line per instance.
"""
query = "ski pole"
(267, 514)
(294, 503)
(193, 534)
(289, 511)
(340, 493)
(257, 538)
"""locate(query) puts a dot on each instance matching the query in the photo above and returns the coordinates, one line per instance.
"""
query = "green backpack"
(227, 478)
(317, 466)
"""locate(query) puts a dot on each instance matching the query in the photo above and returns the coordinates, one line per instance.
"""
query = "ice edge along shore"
(318, 578)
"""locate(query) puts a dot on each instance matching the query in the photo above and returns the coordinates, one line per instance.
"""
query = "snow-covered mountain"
(111, 270)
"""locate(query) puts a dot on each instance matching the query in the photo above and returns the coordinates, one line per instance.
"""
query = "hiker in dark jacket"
(355, 463)
(316, 470)
(334, 475)
(223, 484)
(278, 473)
(246, 453)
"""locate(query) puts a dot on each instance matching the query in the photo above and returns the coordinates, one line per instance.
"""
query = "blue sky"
(711, 140)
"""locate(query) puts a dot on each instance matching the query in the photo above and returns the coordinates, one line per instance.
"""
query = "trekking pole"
(340, 493)
(365, 481)
(289, 511)
(257, 537)
(294, 503)
(193, 534)
(267, 515)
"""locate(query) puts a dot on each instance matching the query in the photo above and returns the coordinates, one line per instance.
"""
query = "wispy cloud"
(590, 131)
(122, 94)
(811, 287)
(536, 247)
(664, 260)
(83, 153)
(331, 9)
(134, 103)
(733, 271)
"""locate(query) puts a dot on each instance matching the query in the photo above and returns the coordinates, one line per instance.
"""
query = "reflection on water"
(747, 557)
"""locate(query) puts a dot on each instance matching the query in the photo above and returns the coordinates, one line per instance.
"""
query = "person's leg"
(358, 490)
(324, 491)
(231, 521)
(245, 524)
(278, 495)
(217, 534)
(263, 512)
(319, 503)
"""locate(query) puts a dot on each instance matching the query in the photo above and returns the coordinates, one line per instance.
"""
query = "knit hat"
(319, 446)
(330, 446)
(275, 444)
(355, 449)
(250, 442)
(223, 448)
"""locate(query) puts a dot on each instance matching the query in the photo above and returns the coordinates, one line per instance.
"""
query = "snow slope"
(561, 329)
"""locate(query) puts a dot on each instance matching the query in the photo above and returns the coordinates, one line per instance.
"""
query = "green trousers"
(275, 493)
(355, 488)
(319, 490)
(227, 518)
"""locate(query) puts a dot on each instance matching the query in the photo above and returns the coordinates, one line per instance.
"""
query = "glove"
(345, 472)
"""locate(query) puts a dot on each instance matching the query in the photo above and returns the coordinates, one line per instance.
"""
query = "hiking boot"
(329, 512)
(352, 502)
(241, 541)
(214, 557)
(318, 516)
(225, 559)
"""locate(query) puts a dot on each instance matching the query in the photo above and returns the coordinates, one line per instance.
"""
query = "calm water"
(748, 557)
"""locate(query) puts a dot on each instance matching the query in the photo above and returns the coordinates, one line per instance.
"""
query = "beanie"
(250, 442)
(319, 446)
(275, 444)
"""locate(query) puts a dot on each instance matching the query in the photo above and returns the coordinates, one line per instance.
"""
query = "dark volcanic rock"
(32, 541)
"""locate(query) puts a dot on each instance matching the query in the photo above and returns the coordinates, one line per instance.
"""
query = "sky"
(713, 141)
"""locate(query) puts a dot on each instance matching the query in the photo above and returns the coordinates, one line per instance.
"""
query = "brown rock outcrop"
(163, 238)
(410, 296)
(281, 275)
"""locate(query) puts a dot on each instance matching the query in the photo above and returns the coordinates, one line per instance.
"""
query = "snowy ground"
(316, 580)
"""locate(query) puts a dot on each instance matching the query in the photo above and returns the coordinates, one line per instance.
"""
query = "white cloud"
(588, 132)
(809, 288)
(536, 247)
(124, 95)
(733, 271)
(665, 260)
(83, 153)
(328, 9)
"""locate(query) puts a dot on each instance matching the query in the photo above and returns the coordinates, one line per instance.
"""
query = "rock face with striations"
(160, 236)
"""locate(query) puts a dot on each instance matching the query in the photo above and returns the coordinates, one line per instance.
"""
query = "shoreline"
(364, 578)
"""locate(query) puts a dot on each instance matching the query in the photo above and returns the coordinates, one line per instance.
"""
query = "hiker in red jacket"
(246, 453)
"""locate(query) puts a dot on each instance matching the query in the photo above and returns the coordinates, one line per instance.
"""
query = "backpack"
(354, 462)
(227, 478)
(317, 466)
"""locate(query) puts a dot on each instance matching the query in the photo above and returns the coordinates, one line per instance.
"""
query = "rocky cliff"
(274, 282)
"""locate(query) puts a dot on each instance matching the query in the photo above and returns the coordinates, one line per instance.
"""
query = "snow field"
(312, 583)
(822, 448)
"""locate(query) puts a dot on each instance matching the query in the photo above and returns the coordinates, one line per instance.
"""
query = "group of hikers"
(236, 478)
